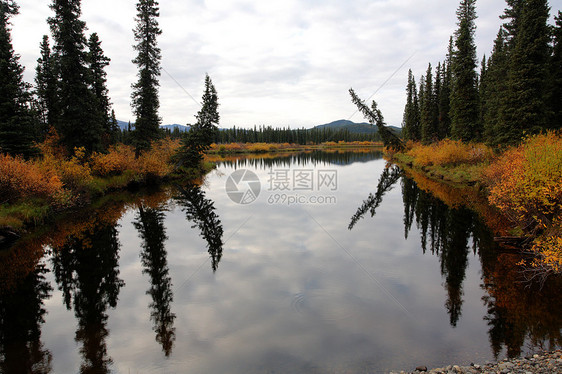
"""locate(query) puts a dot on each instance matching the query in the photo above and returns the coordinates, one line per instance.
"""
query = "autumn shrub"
(74, 173)
(449, 153)
(23, 179)
(526, 184)
(155, 163)
(119, 158)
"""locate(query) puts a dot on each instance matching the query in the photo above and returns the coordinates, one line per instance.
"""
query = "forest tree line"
(269, 134)
(70, 94)
(516, 92)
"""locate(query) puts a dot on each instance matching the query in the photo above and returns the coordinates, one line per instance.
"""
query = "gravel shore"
(546, 363)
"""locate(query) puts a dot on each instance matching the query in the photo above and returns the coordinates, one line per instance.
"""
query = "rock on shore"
(547, 363)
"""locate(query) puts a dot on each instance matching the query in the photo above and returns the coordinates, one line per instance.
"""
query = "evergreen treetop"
(145, 101)
(464, 93)
(78, 122)
(16, 122)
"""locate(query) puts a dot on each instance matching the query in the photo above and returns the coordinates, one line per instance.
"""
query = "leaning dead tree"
(374, 116)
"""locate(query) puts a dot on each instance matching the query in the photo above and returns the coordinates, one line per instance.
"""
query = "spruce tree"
(46, 86)
(524, 108)
(437, 87)
(145, 100)
(78, 122)
(411, 126)
(483, 91)
(428, 110)
(421, 104)
(512, 14)
(555, 74)
(201, 135)
(464, 93)
(97, 63)
(495, 132)
(444, 105)
(16, 122)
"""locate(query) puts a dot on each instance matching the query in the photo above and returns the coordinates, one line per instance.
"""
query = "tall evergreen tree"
(444, 105)
(497, 67)
(97, 62)
(428, 109)
(524, 106)
(437, 87)
(464, 93)
(201, 135)
(145, 100)
(411, 125)
(482, 91)
(512, 14)
(16, 122)
(78, 123)
(555, 74)
(46, 86)
(421, 99)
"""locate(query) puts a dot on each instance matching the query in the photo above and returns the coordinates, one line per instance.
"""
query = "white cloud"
(273, 62)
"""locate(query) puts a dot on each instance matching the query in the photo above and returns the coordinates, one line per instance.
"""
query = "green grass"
(16, 216)
(462, 174)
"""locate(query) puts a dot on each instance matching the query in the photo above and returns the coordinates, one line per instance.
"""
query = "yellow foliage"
(72, 173)
(155, 163)
(21, 179)
(449, 153)
(526, 184)
(119, 158)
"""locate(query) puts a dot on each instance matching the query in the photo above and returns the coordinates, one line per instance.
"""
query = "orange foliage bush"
(156, 161)
(526, 184)
(73, 173)
(449, 153)
(119, 158)
(21, 179)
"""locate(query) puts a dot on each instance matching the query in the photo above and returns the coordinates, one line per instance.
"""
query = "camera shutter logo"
(243, 186)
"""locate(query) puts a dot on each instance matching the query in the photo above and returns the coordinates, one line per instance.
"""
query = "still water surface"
(342, 264)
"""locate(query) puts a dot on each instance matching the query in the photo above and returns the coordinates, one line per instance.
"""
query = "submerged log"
(517, 241)
(7, 238)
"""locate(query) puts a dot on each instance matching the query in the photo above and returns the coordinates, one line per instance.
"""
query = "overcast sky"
(273, 62)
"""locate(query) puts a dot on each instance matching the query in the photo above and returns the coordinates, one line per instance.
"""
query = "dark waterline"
(341, 264)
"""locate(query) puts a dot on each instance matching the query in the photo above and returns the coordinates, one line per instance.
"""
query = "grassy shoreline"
(38, 190)
(522, 183)
(35, 191)
(257, 148)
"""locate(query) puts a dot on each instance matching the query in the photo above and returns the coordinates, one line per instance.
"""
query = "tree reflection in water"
(150, 224)
(201, 211)
(519, 313)
(86, 270)
(390, 175)
(446, 229)
(21, 317)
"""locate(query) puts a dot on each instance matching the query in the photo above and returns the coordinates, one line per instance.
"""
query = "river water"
(296, 263)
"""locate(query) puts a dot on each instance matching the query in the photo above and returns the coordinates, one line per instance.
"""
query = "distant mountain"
(353, 127)
(125, 125)
(174, 126)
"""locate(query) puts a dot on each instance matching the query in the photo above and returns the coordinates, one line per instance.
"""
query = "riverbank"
(257, 148)
(523, 183)
(34, 191)
(545, 363)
